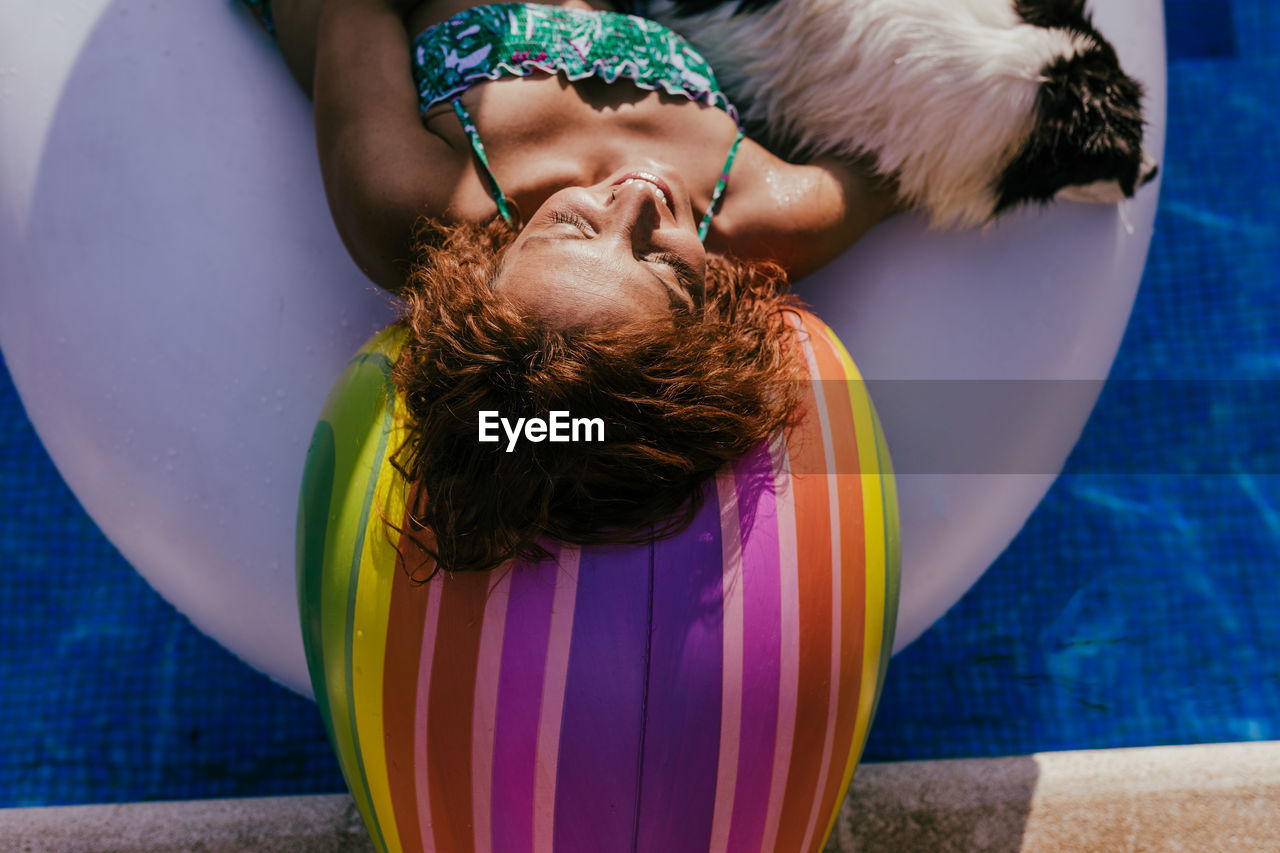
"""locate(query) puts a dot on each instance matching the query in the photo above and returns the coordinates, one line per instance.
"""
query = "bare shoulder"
(801, 215)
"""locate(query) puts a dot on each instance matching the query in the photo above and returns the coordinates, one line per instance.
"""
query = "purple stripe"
(598, 773)
(682, 728)
(515, 739)
(761, 652)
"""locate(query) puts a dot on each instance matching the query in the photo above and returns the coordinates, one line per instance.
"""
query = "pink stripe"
(761, 611)
(524, 668)
(731, 695)
(430, 626)
(484, 711)
(789, 639)
(544, 805)
(833, 501)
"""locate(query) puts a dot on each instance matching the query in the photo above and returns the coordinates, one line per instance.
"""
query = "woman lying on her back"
(644, 283)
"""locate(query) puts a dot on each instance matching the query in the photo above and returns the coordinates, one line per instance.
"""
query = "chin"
(974, 107)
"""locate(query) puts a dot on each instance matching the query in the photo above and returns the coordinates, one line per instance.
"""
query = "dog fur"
(973, 106)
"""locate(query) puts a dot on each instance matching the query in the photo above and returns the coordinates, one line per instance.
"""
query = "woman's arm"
(806, 215)
(297, 23)
(863, 200)
(382, 169)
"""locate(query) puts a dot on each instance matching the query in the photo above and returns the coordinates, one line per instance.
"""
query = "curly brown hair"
(679, 400)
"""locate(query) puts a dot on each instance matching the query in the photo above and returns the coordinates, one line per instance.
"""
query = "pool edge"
(1215, 797)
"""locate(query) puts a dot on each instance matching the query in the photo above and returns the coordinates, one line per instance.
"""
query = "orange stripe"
(450, 708)
(880, 525)
(846, 440)
(821, 368)
(427, 642)
(405, 617)
(813, 554)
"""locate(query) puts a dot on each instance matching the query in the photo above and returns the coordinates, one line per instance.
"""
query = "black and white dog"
(973, 106)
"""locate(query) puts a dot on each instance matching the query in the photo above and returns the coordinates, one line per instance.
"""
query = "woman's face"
(624, 249)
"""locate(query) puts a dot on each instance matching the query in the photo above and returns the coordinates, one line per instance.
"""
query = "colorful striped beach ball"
(707, 692)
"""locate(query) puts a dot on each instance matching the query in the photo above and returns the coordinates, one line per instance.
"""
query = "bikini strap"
(469, 128)
(718, 192)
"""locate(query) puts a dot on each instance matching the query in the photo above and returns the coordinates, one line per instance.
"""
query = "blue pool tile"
(1199, 30)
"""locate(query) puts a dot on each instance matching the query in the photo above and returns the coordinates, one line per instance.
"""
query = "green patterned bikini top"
(519, 39)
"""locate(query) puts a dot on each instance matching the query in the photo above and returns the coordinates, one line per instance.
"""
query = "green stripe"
(317, 515)
(892, 552)
(315, 506)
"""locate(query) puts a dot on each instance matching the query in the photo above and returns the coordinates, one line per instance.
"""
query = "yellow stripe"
(373, 604)
(873, 484)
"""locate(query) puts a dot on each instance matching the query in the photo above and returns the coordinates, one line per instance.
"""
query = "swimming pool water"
(1136, 608)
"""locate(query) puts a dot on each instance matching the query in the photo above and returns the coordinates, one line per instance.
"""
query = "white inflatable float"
(175, 303)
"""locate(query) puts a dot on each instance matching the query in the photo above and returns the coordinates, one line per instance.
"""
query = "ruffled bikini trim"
(710, 98)
(491, 32)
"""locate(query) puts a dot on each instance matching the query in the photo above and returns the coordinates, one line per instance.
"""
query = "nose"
(1148, 171)
(634, 211)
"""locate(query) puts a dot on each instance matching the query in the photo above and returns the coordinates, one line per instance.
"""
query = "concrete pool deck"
(1217, 798)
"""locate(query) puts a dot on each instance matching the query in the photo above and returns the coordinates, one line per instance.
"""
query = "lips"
(663, 189)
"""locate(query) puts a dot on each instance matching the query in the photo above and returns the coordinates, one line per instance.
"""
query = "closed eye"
(687, 275)
(575, 220)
